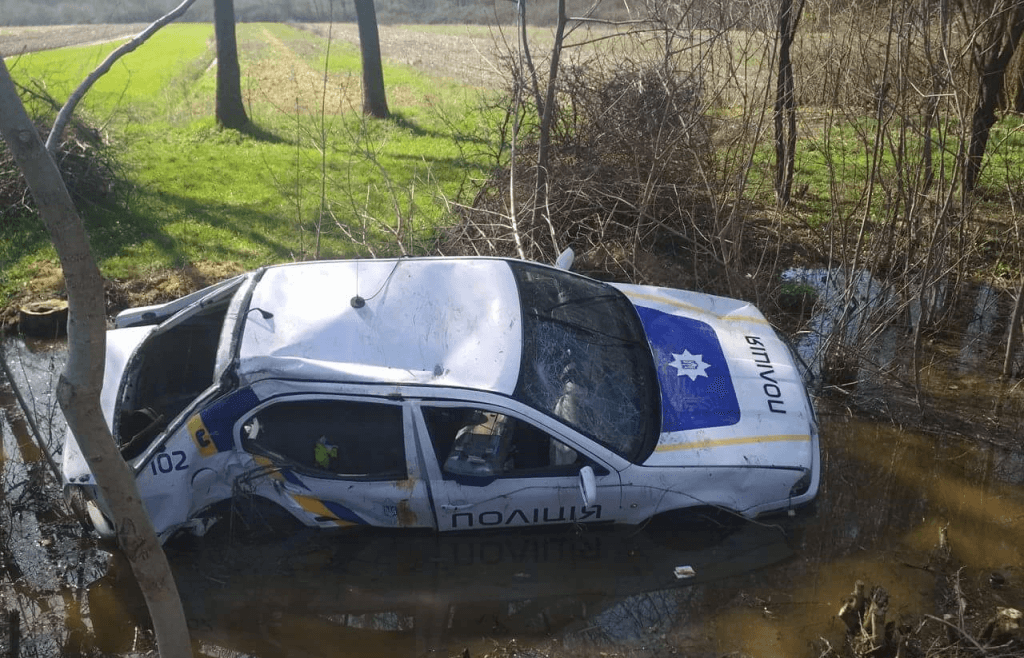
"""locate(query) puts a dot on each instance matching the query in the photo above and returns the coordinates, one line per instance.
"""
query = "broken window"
(475, 442)
(337, 438)
(586, 360)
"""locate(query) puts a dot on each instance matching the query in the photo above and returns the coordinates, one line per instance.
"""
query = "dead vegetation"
(631, 153)
(968, 624)
(84, 159)
(155, 287)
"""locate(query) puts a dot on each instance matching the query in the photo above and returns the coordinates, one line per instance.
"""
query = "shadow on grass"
(243, 234)
(401, 121)
(261, 134)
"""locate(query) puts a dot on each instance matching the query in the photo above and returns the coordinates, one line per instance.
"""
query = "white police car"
(454, 394)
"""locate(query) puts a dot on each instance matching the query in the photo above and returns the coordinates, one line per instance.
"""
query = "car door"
(491, 468)
(336, 461)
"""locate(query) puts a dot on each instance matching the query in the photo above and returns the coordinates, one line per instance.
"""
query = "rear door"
(336, 461)
(491, 468)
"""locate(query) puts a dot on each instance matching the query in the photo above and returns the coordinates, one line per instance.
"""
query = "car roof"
(452, 322)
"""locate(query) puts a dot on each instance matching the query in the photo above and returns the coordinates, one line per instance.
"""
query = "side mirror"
(565, 259)
(588, 486)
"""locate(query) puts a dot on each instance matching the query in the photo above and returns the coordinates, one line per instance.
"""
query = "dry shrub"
(84, 160)
(842, 62)
(629, 152)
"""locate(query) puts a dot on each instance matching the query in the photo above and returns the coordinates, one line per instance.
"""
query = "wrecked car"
(452, 394)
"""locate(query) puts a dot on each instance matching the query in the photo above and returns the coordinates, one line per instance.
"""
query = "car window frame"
(597, 455)
(283, 461)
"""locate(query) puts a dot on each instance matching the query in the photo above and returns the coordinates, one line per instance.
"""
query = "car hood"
(730, 391)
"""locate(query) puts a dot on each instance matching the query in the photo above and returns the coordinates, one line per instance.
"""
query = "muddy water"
(887, 495)
(769, 589)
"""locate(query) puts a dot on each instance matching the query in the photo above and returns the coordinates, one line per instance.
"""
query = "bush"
(630, 150)
(84, 160)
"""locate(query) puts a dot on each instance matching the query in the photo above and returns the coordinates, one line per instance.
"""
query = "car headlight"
(802, 485)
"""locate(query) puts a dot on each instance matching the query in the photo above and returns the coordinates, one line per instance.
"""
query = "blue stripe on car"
(220, 417)
(342, 512)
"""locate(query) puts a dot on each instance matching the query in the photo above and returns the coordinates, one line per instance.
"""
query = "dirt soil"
(153, 288)
(469, 58)
(20, 40)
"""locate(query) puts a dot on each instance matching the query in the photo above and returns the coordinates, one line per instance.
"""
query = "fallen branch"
(865, 618)
(961, 633)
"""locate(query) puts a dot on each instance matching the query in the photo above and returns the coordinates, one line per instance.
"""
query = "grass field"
(314, 179)
(311, 176)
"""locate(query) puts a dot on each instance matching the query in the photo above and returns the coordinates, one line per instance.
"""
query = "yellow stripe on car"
(659, 299)
(315, 507)
(743, 440)
(272, 470)
(201, 436)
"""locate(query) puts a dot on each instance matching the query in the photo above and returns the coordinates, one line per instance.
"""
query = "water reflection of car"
(419, 593)
(452, 394)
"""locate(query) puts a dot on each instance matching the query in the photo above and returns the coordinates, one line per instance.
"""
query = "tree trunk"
(785, 102)
(540, 204)
(78, 389)
(1018, 97)
(994, 56)
(982, 120)
(1014, 89)
(524, 39)
(230, 109)
(375, 102)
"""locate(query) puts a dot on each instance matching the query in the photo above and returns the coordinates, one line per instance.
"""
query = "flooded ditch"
(899, 471)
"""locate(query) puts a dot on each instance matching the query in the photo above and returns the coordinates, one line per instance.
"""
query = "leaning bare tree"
(79, 386)
(64, 116)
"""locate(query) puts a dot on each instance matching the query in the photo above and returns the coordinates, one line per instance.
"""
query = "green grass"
(834, 165)
(140, 82)
(192, 192)
(314, 170)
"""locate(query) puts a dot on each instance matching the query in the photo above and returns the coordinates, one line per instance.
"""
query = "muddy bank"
(47, 559)
(155, 287)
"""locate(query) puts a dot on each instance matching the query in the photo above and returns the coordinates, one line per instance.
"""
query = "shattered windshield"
(586, 360)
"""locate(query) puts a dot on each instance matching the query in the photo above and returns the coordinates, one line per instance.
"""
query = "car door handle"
(455, 508)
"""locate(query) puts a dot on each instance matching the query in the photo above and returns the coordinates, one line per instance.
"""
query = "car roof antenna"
(357, 301)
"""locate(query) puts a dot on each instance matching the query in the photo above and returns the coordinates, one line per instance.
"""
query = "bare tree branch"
(64, 116)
